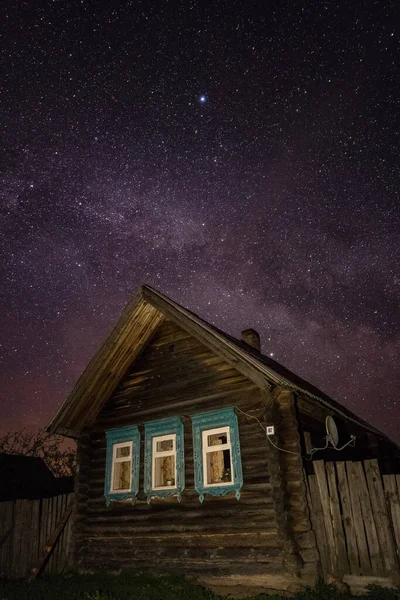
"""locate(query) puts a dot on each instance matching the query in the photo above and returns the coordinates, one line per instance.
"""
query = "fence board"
(68, 533)
(13, 540)
(319, 469)
(61, 540)
(317, 520)
(393, 498)
(348, 519)
(387, 548)
(26, 519)
(354, 484)
(30, 522)
(53, 557)
(43, 522)
(369, 521)
(359, 508)
(46, 519)
(52, 524)
(60, 511)
(16, 540)
(9, 546)
(338, 533)
(50, 543)
(35, 531)
(64, 539)
(6, 525)
(398, 495)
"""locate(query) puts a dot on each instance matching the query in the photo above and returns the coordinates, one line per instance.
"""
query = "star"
(254, 211)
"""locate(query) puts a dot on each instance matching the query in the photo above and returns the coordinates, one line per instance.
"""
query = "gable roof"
(135, 327)
(29, 477)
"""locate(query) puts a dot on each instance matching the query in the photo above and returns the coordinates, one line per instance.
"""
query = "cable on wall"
(351, 442)
(264, 428)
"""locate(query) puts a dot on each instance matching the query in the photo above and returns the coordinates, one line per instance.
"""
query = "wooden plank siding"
(392, 489)
(348, 518)
(368, 517)
(317, 520)
(320, 475)
(338, 531)
(31, 523)
(354, 486)
(6, 536)
(178, 376)
(355, 521)
(382, 517)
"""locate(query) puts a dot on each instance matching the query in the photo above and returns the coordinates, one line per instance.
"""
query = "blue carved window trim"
(213, 420)
(119, 436)
(171, 426)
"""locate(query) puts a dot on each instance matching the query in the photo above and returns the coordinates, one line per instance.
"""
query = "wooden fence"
(26, 527)
(355, 513)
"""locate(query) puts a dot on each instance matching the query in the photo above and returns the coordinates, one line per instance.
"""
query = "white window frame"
(116, 460)
(154, 454)
(217, 448)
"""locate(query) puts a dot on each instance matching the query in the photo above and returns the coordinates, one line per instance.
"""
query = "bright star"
(203, 99)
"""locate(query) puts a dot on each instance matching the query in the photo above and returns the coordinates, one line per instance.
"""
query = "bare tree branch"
(52, 448)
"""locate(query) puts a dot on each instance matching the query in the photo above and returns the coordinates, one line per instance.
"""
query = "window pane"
(122, 475)
(123, 451)
(217, 439)
(164, 471)
(218, 467)
(164, 445)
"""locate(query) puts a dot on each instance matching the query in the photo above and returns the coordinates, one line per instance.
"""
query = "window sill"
(162, 493)
(120, 497)
(219, 490)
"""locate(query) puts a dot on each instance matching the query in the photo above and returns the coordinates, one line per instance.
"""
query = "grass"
(132, 586)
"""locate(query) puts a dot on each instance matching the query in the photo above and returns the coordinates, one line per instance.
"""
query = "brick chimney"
(251, 337)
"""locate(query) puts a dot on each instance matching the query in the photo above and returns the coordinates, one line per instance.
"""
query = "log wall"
(220, 540)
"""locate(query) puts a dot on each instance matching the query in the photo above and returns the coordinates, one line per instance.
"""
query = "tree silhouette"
(59, 457)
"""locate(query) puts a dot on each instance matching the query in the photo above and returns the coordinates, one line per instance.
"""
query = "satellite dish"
(332, 432)
(332, 437)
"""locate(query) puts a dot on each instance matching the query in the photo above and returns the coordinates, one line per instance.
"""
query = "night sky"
(239, 156)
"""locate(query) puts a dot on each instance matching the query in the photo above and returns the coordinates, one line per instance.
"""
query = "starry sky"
(241, 157)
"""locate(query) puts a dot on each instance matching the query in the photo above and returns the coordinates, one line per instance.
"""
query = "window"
(164, 462)
(217, 457)
(164, 467)
(121, 477)
(216, 449)
(122, 464)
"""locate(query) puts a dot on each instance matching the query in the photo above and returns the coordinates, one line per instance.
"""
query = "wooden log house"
(175, 470)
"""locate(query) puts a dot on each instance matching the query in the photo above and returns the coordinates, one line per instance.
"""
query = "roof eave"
(245, 362)
(85, 388)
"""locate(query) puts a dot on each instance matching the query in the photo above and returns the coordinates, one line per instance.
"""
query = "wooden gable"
(137, 325)
(175, 371)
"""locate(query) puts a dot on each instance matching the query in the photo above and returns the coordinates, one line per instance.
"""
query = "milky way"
(239, 156)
